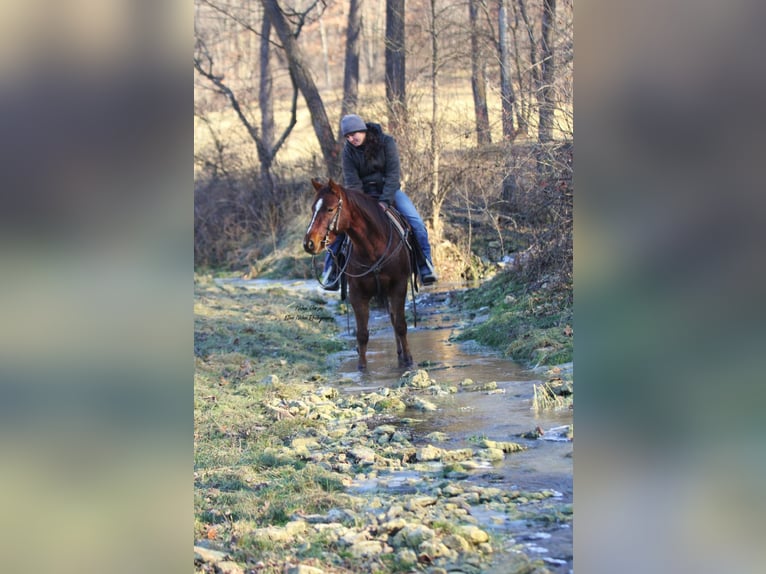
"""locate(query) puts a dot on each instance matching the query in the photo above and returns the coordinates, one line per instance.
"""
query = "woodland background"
(477, 93)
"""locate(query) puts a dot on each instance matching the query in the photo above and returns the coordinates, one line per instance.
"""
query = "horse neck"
(368, 238)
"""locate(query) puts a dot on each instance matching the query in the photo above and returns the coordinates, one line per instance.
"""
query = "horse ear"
(317, 184)
(334, 186)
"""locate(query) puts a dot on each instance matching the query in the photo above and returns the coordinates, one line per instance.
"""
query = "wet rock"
(393, 526)
(399, 437)
(428, 452)
(384, 429)
(395, 511)
(434, 549)
(457, 543)
(505, 446)
(474, 534)
(412, 536)
(417, 503)
(469, 385)
(422, 404)
(390, 404)
(416, 380)
(491, 454)
(452, 490)
(457, 455)
(437, 436)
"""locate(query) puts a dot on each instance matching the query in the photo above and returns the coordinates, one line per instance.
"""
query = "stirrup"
(427, 273)
(330, 279)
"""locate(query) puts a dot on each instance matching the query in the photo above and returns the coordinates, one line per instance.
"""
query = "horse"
(378, 264)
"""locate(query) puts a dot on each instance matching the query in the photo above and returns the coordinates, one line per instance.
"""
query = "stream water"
(466, 417)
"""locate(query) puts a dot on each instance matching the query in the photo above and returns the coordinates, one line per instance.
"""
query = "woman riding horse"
(371, 164)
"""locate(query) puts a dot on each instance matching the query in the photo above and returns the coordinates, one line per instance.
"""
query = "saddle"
(402, 227)
(404, 231)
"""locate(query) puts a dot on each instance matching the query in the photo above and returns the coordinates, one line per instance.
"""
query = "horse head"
(326, 216)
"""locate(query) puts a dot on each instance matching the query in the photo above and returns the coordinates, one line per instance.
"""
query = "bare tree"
(545, 127)
(395, 65)
(204, 65)
(351, 72)
(506, 87)
(300, 73)
(478, 78)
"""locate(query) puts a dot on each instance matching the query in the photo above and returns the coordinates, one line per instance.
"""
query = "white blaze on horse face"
(317, 207)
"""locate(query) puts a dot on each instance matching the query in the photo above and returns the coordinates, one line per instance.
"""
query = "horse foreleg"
(362, 315)
(399, 322)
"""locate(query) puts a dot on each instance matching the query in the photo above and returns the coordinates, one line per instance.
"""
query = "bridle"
(333, 225)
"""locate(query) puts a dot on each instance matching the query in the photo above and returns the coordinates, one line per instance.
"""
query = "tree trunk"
(395, 69)
(532, 59)
(325, 54)
(436, 200)
(351, 72)
(300, 72)
(478, 79)
(266, 104)
(545, 129)
(506, 88)
(510, 186)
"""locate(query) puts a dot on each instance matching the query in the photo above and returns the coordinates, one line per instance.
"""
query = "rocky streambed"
(399, 488)
(410, 503)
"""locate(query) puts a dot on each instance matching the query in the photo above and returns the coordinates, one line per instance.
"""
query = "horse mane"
(367, 206)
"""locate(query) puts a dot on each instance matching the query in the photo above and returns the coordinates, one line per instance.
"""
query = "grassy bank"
(533, 327)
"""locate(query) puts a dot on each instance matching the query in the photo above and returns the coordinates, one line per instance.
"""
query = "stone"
(457, 543)
(491, 454)
(474, 534)
(209, 555)
(412, 536)
(422, 404)
(229, 567)
(418, 379)
(366, 548)
(363, 455)
(304, 569)
(270, 380)
(428, 452)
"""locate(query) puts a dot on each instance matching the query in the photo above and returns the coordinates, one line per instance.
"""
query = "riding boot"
(332, 264)
(329, 280)
(425, 267)
(427, 272)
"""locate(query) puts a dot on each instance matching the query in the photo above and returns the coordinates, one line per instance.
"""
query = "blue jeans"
(408, 211)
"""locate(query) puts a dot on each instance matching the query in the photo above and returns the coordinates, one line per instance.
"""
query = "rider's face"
(356, 138)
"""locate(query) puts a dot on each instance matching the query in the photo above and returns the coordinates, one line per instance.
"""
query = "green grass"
(531, 327)
(241, 338)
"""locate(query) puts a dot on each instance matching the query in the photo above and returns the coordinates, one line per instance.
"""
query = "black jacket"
(379, 176)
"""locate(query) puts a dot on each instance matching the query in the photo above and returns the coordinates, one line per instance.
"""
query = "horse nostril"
(309, 245)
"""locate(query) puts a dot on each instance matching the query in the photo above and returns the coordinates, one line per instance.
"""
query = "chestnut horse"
(378, 263)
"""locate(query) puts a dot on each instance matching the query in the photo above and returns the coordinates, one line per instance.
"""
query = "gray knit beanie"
(352, 123)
